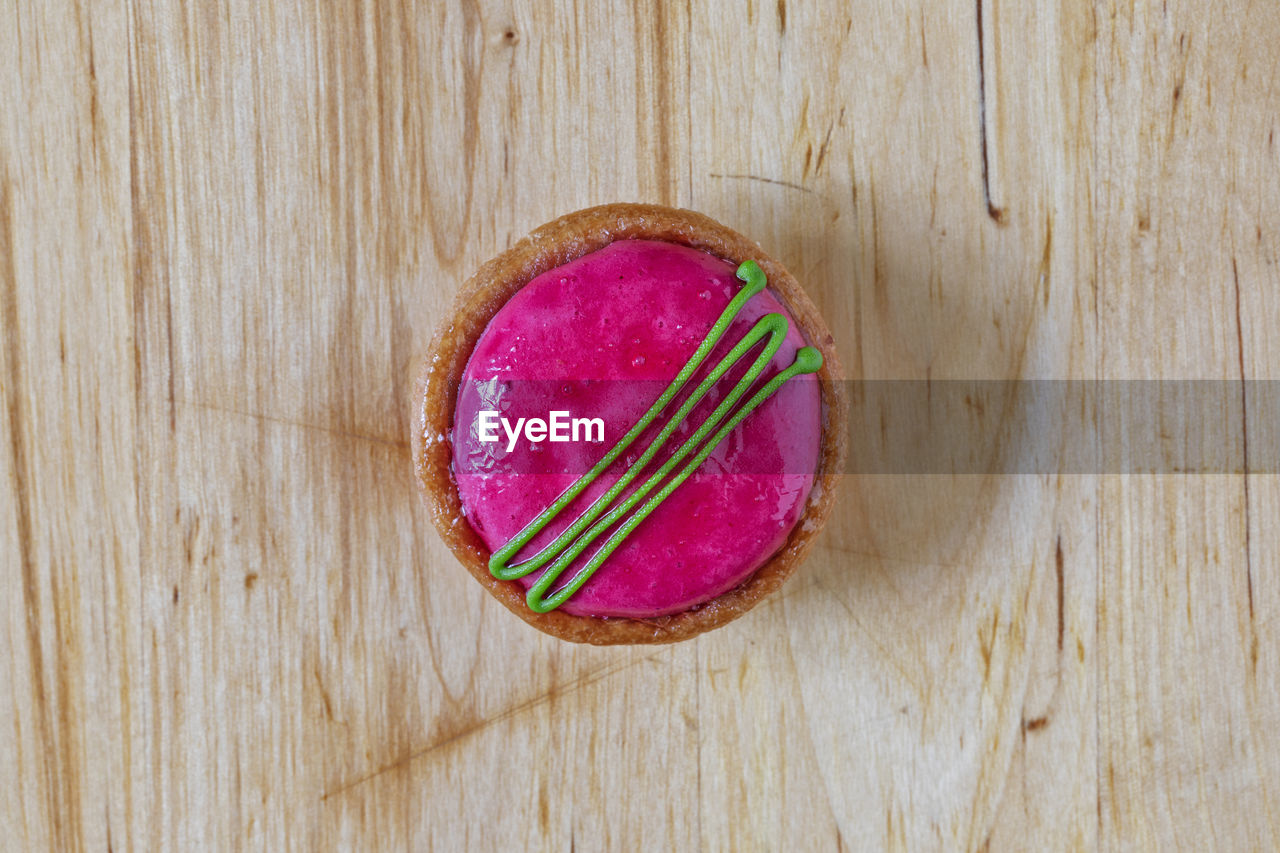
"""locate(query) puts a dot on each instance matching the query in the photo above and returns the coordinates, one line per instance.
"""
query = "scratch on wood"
(1177, 89)
(149, 265)
(1098, 800)
(822, 149)
(324, 696)
(22, 508)
(889, 558)
(354, 436)
(878, 287)
(1046, 260)
(554, 693)
(168, 334)
(1058, 565)
(506, 716)
(987, 643)
(886, 654)
(762, 180)
(95, 112)
(996, 213)
(1244, 440)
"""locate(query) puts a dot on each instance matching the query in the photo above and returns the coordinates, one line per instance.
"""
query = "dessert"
(629, 429)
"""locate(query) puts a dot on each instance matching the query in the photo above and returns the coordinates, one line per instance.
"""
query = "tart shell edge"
(481, 296)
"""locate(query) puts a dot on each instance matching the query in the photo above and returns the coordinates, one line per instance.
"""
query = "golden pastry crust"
(550, 246)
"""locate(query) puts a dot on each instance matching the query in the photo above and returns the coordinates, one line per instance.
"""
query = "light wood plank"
(226, 234)
(69, 643)
(1187, 220)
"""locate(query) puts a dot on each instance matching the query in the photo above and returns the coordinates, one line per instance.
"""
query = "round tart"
(630, 428)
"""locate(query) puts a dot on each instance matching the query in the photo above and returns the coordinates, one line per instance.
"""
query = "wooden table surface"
(227, 230)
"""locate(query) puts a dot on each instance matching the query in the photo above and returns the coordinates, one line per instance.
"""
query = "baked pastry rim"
(496, 281)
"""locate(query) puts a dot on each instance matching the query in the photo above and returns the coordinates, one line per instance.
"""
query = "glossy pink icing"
(602, 336)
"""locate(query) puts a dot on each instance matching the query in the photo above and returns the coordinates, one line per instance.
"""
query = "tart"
(630, 428)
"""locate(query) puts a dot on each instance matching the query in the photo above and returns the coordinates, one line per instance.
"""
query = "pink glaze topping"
(600, 337)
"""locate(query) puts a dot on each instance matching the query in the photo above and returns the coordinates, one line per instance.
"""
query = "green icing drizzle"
(590, 525)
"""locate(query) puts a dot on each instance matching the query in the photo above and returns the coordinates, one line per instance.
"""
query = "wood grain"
(226, 232)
